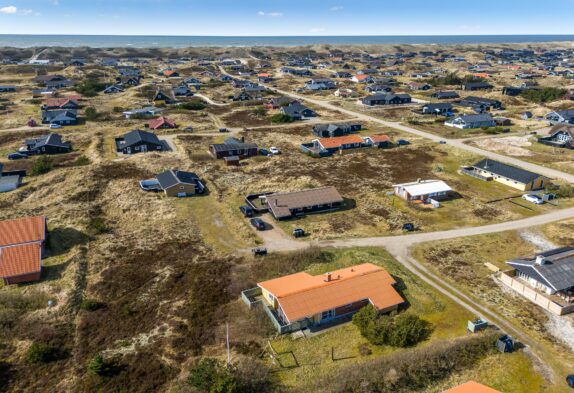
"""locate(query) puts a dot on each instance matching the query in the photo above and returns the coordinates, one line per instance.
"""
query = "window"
(271, 298)
(328, 314)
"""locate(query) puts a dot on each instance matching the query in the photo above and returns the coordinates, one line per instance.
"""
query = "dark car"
(223, 130)
(408, 227)
(403, 142)
(442, 142)
(246, 210)
(264, 152)
(570, 380)
(259, 251)
(17, 156)
(298, 232)
(258, 223)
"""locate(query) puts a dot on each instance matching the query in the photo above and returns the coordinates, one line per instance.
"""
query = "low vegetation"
(543, 95)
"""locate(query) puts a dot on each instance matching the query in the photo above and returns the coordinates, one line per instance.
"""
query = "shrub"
(404, 330)
(118, 109)
(91, 305)
(281, 118)
(91, 114)
(90, 87)
(42, 165)
(81, 161)
(100, 367)
(259, 111)
(41, 353)
(547, 94)
(97, 226)
(195, 105)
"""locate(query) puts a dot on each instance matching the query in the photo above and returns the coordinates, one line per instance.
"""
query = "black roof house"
(137, 141)
(47, 144)
(172, 178)
(507, 171)
(61, 117)
(233, 147)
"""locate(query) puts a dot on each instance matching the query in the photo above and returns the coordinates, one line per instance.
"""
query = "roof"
(508, 171)
(137, 136)
(173, 177)
(22, 230)
(424, 187)
(380, 138)
(302, 295)
(159, 122)
(476, 118)
(471, 387)
(361, 77)
(48, 140)
(20, 259)
(332, 143)
(557, 272)
(282, 203)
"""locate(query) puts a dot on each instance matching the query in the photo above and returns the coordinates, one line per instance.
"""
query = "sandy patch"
(510, 145)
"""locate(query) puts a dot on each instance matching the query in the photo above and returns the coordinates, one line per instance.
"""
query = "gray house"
(441, 108)
(471, 121)
(63, 117)
(557, 117)
(387, 99)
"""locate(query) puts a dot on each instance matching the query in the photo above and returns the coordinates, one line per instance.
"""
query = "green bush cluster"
(91, 114)
(281, 118)
(42, 165)
(195, 105)
(100, 366)
(90, 87)
(81, 161)
(402, 330)
(547, 94)
(41, 353)
(91, 305)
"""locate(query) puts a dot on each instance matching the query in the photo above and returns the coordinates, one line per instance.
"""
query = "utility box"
(476, 326)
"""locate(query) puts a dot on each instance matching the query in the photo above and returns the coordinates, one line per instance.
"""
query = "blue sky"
(293, 17)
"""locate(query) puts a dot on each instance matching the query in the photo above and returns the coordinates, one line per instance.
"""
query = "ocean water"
(112, 41)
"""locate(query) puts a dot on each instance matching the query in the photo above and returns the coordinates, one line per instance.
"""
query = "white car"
(55, 126)
(273, 150)
(533, 198)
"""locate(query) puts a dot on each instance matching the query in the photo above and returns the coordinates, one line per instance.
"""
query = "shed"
(505, 344)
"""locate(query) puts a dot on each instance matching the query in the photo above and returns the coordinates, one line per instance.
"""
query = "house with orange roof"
(338, 143)
(362, 78)
(160, 123)
(22, 243)
(471, 387)
(301, 300)
(170, 73)
(381, 141)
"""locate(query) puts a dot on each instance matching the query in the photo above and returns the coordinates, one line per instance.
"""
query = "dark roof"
(50, 140)
(137, 136)
(232, 144)
(438, 105)
(476, 118)
(557, 271)
(508, 171)
(173, 177)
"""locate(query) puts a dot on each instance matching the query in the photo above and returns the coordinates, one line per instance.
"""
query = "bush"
(100, 367)
(118, 109)
(195, 105)
(402, 331)
(260, 111)
(98, 226)
(91, 114)
(82, 160)
(281, 118)
(42, 165)
(90, 87)
(547, 94)
(41, 353)
(91, 305)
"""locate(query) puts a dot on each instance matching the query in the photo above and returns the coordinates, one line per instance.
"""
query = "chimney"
(242, 139)
(328, 277)
(418, 180)
(540, 260)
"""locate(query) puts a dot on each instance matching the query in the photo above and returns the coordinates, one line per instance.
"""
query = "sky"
(286, 18)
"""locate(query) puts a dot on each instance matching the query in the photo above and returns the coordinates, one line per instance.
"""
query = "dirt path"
(210, 101)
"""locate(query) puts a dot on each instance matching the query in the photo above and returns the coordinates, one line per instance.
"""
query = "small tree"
(91, 114)
(41, 353)
(281, 118)
(211, 375)
(99, 366)
(259, 111)
(42, 165)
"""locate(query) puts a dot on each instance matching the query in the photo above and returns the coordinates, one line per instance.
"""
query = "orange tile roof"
(22, 230)
(20, 259)
(159, 122)
(301, 295)
(169, 72)
(471, 387)
(264, 75)
(330, 143)
(361, 77)
(380, 138)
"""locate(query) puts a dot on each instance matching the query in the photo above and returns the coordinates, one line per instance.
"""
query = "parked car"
(188, 129)
(403, 142)
(442, 142)
(533, 198)
(223, 130)
(258, 223)
(298, 232)
(17, 156)
(408, 227)
(55, 126)
(264, 152)
(273, 150)
(246, 210)
(570, 380)
(259, 251)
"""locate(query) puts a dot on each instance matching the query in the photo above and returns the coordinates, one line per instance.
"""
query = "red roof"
(58, 102)
(471, 387)
(332, 143)
(21, 245)
(361, 77)
(169, 72)
(160, 122)
(380, 138)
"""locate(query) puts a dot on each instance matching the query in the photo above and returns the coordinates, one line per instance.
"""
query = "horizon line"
(291, 36)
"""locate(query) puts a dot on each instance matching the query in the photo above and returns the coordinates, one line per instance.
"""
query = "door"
(144, 148)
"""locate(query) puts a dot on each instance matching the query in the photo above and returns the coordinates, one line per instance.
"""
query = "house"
(300, 300)
(381, 141)
(474, 86)
(445, 95)
(137, 141)
(58, 84)
(333, 130)
(526, 115)
(480, 103)
(471, 387)
(47, 144)
(443, 109)
(275, 103)
(338, 143)
(232, 147)
(9, 181)
(113, 89)
(7, 89)
(161, 123)
(376, 88)
(285, 205)
(193, 82)
(387, 99)
(502, 121)
(512, 91)
(22, 243)
(169, 73)
(264, 77)
(471, 121)
(162, 97)
(344, 93)
(63, 117)
(320, 84)
(362, 78)
(561, 135)
(148, 111)
(60, 103)
(182, 91)
(423, 190)
(558, 117)
(419, 86)
(128, 80)
(43, 79)
(175, 183)
(298, 111)
(511, 176)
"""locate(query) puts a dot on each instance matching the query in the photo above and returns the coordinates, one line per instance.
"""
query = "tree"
(90, 87)
(547, 94)
(41, 353)
(99, 366)
(211, 375)
(42, 165)
(91, 114)
(195, 105)
(408, 330)
(281, 118)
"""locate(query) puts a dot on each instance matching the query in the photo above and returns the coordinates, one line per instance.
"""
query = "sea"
(141, 41)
